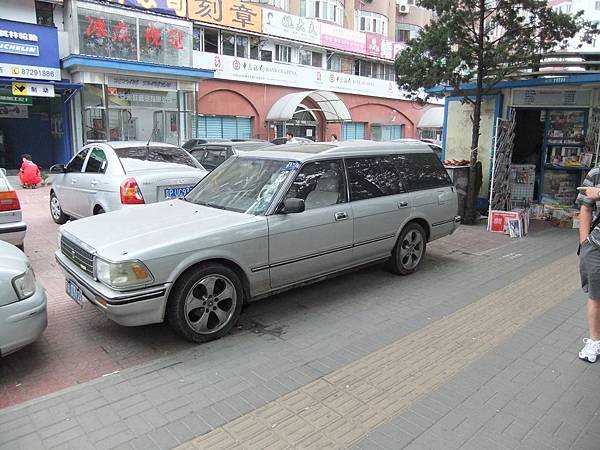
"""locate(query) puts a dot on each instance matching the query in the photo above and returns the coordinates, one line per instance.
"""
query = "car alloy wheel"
(210, 304)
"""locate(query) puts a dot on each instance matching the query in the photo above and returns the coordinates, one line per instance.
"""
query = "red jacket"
(29, 173)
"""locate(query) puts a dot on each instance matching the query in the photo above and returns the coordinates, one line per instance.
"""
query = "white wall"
(19, 10)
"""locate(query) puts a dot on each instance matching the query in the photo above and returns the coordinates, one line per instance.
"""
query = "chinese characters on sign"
(277, 23)
(342, 39)
(231, 13)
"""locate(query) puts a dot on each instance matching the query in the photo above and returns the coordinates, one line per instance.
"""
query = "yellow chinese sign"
(229, 13)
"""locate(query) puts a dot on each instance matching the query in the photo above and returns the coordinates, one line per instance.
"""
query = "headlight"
(24, 284)
(122, 275)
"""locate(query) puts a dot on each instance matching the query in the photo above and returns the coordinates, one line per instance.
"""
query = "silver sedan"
(105, 177)
(12, 227)
(23, 316)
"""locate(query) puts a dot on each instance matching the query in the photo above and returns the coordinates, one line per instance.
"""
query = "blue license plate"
(177, 192)
(74, 292)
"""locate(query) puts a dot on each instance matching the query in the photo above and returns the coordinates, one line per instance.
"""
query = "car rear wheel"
(98, 210)
(409, 251)
(205, 303)
(56, 211)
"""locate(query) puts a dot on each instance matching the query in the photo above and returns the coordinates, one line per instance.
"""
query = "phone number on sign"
(46, 73)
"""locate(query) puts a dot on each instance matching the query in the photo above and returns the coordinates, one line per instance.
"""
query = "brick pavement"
(290, 341)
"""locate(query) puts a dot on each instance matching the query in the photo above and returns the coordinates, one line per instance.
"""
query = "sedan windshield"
(245, 185)
(152, 157)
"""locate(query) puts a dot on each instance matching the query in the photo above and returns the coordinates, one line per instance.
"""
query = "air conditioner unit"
(403, 9)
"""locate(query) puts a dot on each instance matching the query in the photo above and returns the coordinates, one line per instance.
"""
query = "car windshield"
(152, 157)
(245, 185)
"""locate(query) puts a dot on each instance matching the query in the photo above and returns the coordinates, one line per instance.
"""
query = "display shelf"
(571, 168)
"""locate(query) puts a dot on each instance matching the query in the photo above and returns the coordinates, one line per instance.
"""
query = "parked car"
(191, 143)
(12, 227)
(104, 177)
(260, 223)
(433, 146)
(23, 316)
(213, 155)
(294, 140)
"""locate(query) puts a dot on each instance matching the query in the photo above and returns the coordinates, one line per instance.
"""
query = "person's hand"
(591, 192)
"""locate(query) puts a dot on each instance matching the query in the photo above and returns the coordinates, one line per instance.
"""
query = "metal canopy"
(432, 118)
(332, 107)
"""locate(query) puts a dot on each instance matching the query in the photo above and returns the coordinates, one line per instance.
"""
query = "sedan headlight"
(24, 284)
(121, 275)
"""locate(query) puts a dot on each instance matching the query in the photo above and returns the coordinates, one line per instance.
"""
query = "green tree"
(482, 42)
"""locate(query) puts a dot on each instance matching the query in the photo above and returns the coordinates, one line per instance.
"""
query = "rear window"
(149, 158)
(421, 171)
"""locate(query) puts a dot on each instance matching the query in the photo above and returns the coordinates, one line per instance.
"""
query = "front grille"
(82, 258)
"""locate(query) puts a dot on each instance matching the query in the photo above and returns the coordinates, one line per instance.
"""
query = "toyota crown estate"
(260, 223)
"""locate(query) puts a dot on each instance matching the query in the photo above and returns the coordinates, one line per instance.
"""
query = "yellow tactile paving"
(345, 405)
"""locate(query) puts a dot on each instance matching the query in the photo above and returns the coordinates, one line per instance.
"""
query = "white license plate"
(177, 192)
(74, 292)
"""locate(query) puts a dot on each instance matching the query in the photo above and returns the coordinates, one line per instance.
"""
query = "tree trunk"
(470, 210)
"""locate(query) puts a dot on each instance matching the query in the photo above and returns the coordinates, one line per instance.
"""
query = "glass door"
(171, 127)
(158, 128)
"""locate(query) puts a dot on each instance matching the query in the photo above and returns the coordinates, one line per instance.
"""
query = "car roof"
(127, 144)
(302, 152)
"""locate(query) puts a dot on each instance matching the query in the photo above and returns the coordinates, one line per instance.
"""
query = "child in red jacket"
(29, 173)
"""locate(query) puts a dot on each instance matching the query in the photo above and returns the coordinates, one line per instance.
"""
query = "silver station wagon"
(260, 223)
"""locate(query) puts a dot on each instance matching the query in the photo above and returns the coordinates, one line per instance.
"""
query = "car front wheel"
(205, 303)
(56, 211)
(409, 251)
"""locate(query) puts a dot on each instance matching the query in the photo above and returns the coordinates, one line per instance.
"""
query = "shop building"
(555, 140)
(35, 97)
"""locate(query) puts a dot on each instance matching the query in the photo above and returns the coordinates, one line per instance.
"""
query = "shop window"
(266, 55)
(228, 41)
(226, 127)
(96, 162)
(44, 13)
(353, 130)
(310, 58)
(283, 53)
(372, 177)
(386, 132)
(421, 171)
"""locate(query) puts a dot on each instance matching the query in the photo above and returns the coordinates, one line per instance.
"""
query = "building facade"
(170, 70)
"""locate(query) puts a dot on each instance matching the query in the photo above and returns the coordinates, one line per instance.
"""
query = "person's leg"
(593, 317)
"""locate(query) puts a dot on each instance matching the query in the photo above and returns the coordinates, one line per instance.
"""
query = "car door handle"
(73, 181)
(340, 216)
(402, 204)
(94, 183)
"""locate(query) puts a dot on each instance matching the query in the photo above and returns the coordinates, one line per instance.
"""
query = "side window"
(421, 171)
(373, 177)
(213, 158)
(320, 184)
(97, 161)
(76, 164)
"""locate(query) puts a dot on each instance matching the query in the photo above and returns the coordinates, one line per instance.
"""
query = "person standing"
(289, 136)
(589, 261)
(29, 174)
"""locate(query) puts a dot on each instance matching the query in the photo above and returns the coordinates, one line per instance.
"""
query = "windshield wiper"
(211, 205)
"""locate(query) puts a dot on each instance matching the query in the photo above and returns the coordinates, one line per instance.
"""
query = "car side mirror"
(58, 168)
(293, 205)
(3, 170)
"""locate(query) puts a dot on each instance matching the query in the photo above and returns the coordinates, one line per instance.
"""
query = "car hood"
(12, 260)
(126, 233)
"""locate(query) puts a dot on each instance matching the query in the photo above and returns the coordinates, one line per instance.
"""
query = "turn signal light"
(131, 193)
(9, 201)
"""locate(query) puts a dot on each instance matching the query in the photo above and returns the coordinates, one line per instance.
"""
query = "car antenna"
(150, 138)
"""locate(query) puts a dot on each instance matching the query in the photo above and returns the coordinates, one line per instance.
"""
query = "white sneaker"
(591, 350)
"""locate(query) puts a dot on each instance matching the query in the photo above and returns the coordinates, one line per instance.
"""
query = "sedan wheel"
(56, 211)
(205, 303)
(409, 251)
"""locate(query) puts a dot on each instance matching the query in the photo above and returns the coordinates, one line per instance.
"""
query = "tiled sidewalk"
(507, 311)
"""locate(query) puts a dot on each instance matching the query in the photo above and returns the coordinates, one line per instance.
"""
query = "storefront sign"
(342, 38)
(171, 7)
(117, 36)
(551, 97)
(144, 99)
(152, 84)
(32, 89)
(305, 77)
(277, 23)
(229, 13)
(28, 51)
(14, 100)
(379, 47)
(14, 112)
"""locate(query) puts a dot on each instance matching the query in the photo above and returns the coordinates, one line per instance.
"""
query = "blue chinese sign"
(28, 51)
(170, 7)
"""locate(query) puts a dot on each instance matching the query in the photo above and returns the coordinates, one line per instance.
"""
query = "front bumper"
(13, 232)
(22, 322)
(131, 308)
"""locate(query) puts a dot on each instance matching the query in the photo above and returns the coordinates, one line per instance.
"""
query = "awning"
(332, 107)
(432, 118)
